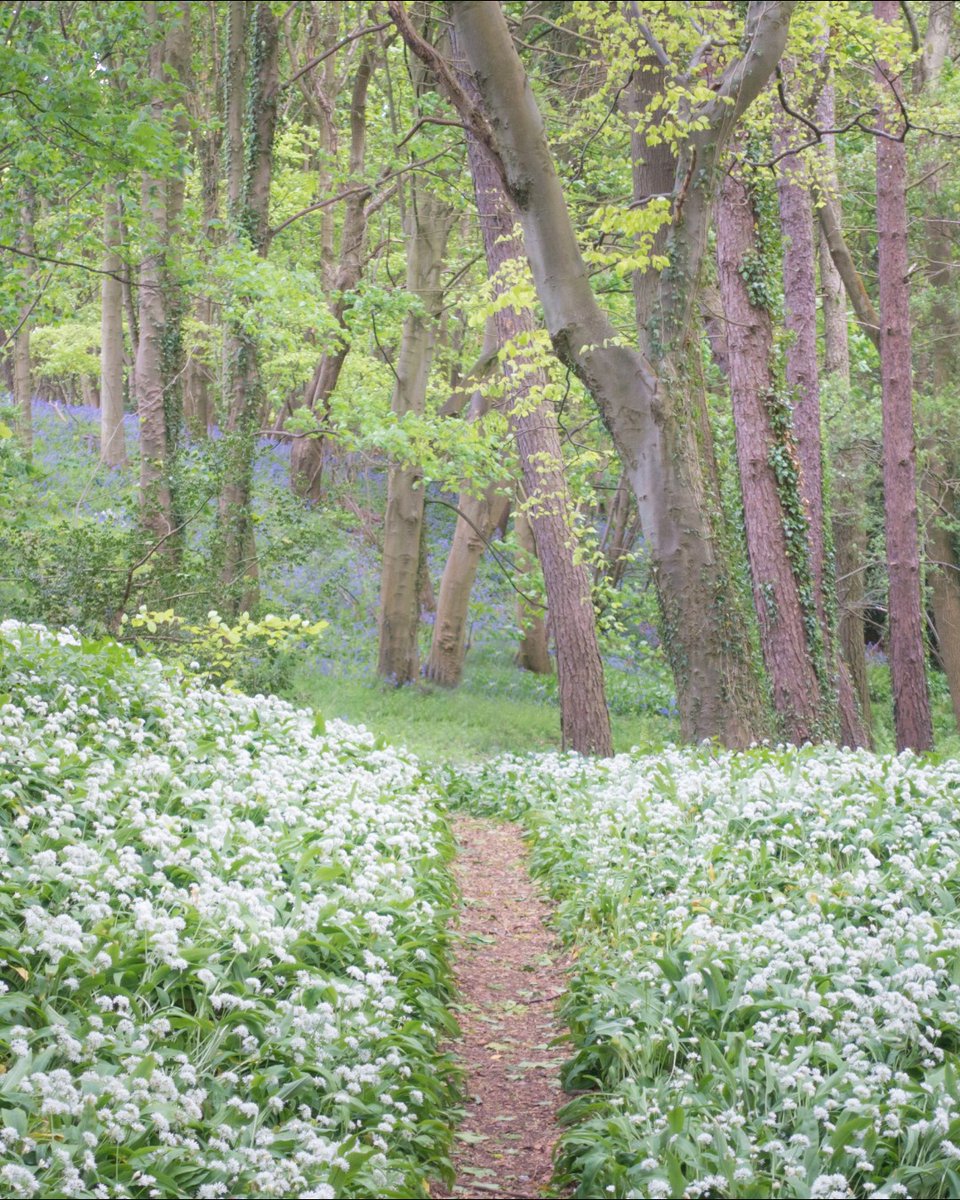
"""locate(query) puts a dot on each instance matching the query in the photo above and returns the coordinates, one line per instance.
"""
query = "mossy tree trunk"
(249, 171)
(776, 529)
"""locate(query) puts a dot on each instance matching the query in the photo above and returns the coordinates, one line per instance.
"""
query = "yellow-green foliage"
(216, 652)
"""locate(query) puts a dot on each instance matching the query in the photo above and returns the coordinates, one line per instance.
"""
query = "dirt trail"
(510, 978)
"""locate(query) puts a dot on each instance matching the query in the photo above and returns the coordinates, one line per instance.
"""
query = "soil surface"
(510, 976)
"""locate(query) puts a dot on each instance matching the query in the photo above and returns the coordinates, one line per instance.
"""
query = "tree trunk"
(776, 531)
(533, 652)
(481, 516)
(707, 642)
(249, 171)
(584, 720)
(22, 378)
(113, 446)
(429, 222)
(306, 454)
(619, 535)
(156, 500)
(911, 703)
(803, 378)
(849, 507)
(939, 372)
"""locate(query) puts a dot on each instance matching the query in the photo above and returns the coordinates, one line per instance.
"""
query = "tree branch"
(470, 113)
(315, 62)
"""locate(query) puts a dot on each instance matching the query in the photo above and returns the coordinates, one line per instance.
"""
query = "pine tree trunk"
(769, 480)
(911, 703)
(113, 446)
(429, 222)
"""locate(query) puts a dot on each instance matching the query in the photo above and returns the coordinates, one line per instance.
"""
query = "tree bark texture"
(704, 630)
(113, 446)
(584, 719)
(769, 481)
(250, 163)
(911, 703)
(429, 222)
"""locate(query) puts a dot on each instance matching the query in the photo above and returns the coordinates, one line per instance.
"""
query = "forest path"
(510, 976)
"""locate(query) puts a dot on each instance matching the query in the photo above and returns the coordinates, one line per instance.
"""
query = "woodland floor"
(510, 976)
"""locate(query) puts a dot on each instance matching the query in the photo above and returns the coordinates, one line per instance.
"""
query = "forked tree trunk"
(584, 719)
(113, 446)
(911, 702)
(429, 223)
(533, 652)
(719, 693)
(766, 457)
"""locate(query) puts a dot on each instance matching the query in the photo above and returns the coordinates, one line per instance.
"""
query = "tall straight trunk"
(941, 367)
(249, 174)
(584, 719)
(156, 499)
(206, 111)
(705, 632)
(533, 652)
(911, 702)
(479, 516)
(22, 377)
(803, 378)
(769, 482)
(113, 446)
(306, 454)
(429, 222)
(849, 516)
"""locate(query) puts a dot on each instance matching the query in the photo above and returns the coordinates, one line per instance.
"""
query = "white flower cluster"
(768, 968)
(222, 940)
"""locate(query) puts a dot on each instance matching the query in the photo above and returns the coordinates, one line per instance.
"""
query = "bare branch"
(315, 62)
